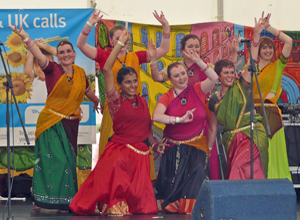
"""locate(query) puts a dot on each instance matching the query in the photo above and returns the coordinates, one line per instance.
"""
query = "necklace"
(123, 64)
(69, 78)
(191, 72)
(132, 102)
(183, 100)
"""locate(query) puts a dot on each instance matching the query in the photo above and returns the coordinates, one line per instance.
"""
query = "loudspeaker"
(246, 199)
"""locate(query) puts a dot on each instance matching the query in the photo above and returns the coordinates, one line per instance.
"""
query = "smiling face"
(129, 85)
(66, 54)
(178, 77)
(266, 52)
(227, 76)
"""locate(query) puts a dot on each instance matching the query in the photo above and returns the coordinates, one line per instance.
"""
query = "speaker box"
(246, 199)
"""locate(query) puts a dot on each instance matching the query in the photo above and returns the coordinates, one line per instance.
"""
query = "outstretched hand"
(19, 32)
(95, 18)
(161, 18)
(151, 50)
(161, 146)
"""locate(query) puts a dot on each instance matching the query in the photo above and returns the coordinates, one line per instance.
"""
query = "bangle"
(177, 119)
(85, 32)
(153, 145)
(27, 39)
(89, 24)
(154, 62)
(174, 120)
(29, 46)
(278, 34)
(267, 26)
(166, 35)
(206, 68)
(121, 43)
(254, 44)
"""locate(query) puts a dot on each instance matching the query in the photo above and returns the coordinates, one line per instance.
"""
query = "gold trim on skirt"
(186, 141)
(137, 151)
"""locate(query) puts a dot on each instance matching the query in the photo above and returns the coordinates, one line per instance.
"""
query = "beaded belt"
(73, 117)
(186, 141)
(137, 151)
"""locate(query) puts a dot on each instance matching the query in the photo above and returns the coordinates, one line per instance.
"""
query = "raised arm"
(86, 49)
(28, 66)
(165, 43)
(235, 49)
(46, 47)
(152, 53)
(208, 84)
(107, 69)
(31, 46)
(288, 41)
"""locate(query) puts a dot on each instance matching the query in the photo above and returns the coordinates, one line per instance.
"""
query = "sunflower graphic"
(16, 58)
(22, 87)
(14, 41)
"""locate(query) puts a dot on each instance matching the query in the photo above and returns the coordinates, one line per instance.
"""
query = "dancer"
(120, 183)
(54, 179)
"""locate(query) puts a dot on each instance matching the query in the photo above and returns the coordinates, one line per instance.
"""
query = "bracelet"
(85, 32)
(206, 68)
(121, 43)
(89, 24)
(177, 119)
(267, 26)
(174, 120)
(166, 35)
(27, 39)
(254, 44)
(153, 145)
(278, 34)
(154, 62)
(29, 46)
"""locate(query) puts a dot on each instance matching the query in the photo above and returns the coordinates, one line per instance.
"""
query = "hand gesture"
(234, 45)
(151, 50)
(192, 55)
(161, 146)
(125, 36)
(96, 105)
(19, 32)
(95, 18)
(161, 18)
(258, 26)
(188, 117)
(265, 21)
(238, 75)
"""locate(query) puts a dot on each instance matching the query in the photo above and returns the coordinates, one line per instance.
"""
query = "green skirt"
(54, 179)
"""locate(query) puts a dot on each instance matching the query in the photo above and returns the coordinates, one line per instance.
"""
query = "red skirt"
(239, 159)
(119, 184)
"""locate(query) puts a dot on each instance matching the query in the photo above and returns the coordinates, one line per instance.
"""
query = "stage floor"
(24, 211)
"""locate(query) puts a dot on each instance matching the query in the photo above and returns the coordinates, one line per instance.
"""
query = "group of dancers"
(120, 184)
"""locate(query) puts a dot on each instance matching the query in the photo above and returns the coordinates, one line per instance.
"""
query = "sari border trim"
(136, 150)
(186, 141)
(120, 208)
(181, 206)
(73, 117)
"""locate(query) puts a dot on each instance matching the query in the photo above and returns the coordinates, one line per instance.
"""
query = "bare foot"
(36, 207)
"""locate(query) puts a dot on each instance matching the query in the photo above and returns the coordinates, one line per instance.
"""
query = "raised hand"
(151, 50)
(235, 44)
(192, 55)
(95, 18)
(265, 21)
(125, 36)
(19, 32)
(258, 26)
(161, 18)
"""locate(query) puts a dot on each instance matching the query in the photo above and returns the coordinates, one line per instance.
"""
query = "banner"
(28, 80)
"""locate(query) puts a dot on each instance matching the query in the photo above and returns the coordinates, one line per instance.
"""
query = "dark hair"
(123, 72)
(64, 42)
(171, 66)
(223, 63)
(114, 29)
(186, 38)
(266, 40)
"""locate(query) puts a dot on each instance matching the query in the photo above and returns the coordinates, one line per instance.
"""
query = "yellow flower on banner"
(22, 87)
(14, 41)
(16, 58)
